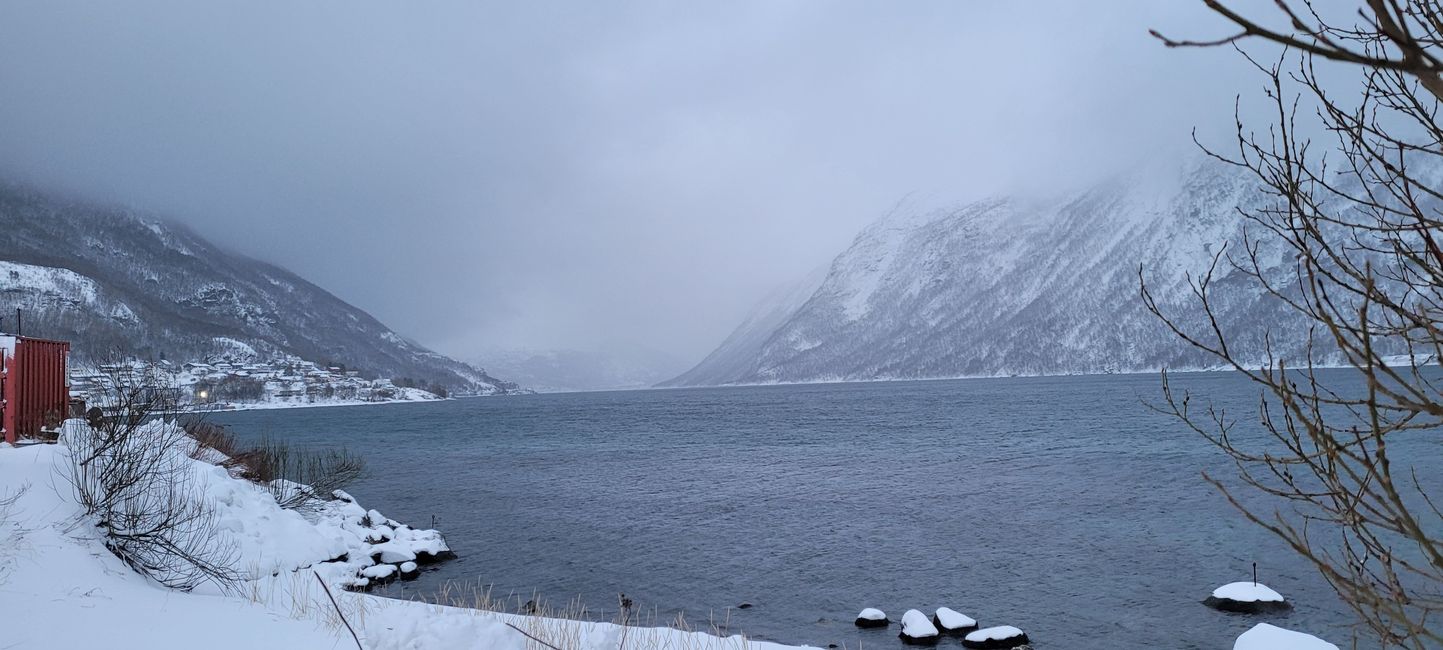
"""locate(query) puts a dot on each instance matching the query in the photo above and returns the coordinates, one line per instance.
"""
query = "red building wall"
(33, 386)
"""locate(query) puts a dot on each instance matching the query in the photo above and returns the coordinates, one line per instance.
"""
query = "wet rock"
(871, 617)
(1001, 636)
(949, 621)
(1246, 598)
(917, 629)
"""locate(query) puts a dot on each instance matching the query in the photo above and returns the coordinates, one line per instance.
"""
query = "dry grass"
(211, 436)
(574, 626)
(297, 478)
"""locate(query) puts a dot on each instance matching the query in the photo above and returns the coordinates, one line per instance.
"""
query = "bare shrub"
(130, 472)
(299, 479)
(210, 436)
(1360, 220)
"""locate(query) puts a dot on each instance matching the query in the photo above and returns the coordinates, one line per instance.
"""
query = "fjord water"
(1063, 506)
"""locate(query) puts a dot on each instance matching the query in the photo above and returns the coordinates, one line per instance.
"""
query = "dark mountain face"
(112, 282)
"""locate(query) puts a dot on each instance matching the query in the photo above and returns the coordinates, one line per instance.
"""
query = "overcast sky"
(582, 174)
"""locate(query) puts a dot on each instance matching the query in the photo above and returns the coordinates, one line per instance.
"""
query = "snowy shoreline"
(285, 406)
(1392, 362)
(58, 576)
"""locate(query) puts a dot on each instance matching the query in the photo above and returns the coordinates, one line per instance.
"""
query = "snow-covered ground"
(61, 588)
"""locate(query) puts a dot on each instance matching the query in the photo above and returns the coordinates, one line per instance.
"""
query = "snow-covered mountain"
(557, 371)
(116, 283)
(1017, 285)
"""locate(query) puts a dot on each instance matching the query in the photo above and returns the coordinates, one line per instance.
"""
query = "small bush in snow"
(131, 473)
(299, 479)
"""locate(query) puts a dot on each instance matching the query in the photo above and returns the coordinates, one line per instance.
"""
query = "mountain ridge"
(142, 286)
(1021, 286)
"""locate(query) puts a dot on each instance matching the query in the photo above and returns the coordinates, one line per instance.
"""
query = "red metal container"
(34, 394)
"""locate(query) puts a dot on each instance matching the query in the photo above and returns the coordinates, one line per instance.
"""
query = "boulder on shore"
(949, 621)
(1001, 636)
(917, 629)
(872, 617)
(1246, 598)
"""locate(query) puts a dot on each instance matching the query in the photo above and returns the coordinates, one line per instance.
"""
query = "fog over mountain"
(563, 176)
(1027, 285)
(549, 371)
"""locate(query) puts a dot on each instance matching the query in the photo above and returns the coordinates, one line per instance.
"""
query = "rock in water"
(918, 629)
(1269, 637)
(951, 622)
(1002, 636)
(872, 618)
(1246, 597)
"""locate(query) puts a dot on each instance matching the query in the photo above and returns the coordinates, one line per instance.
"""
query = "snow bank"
(59, 579)
(1269, 637)
(1001, 636)
(949, 620)
(872, 617)
(917, 628)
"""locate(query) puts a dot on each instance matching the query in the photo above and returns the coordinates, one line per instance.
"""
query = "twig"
(523, 633)
(339, 612)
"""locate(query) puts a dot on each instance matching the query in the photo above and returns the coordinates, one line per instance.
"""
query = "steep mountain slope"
(1019, 286)
(113, 282)
(735, 355)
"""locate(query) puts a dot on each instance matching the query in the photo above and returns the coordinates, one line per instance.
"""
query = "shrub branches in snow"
(1361, 226)
(131, 473)
(9, 532)
(299, 479)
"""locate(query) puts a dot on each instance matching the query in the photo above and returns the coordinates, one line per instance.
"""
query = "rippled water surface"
(1060, 505)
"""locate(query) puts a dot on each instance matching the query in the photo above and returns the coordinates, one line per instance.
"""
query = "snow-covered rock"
(1247, 597)
(1001, 636)
(872, 617)
(1269, 637)
(918, 629)
(952, 622)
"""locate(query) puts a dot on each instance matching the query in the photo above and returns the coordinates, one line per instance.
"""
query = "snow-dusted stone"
(392, 553)
(918, 629)
(1269, 637)
(1246, 597)
(1002, 636)
(379, 571)
(949, 621)
(409, 571)
(872, 617)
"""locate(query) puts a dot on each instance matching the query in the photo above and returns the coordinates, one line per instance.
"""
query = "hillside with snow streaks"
(114, 282)
(1020, 286)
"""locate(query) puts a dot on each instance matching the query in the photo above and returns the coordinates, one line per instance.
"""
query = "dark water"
(1060, 505)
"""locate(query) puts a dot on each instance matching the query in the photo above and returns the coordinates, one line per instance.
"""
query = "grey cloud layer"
(586, 173)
